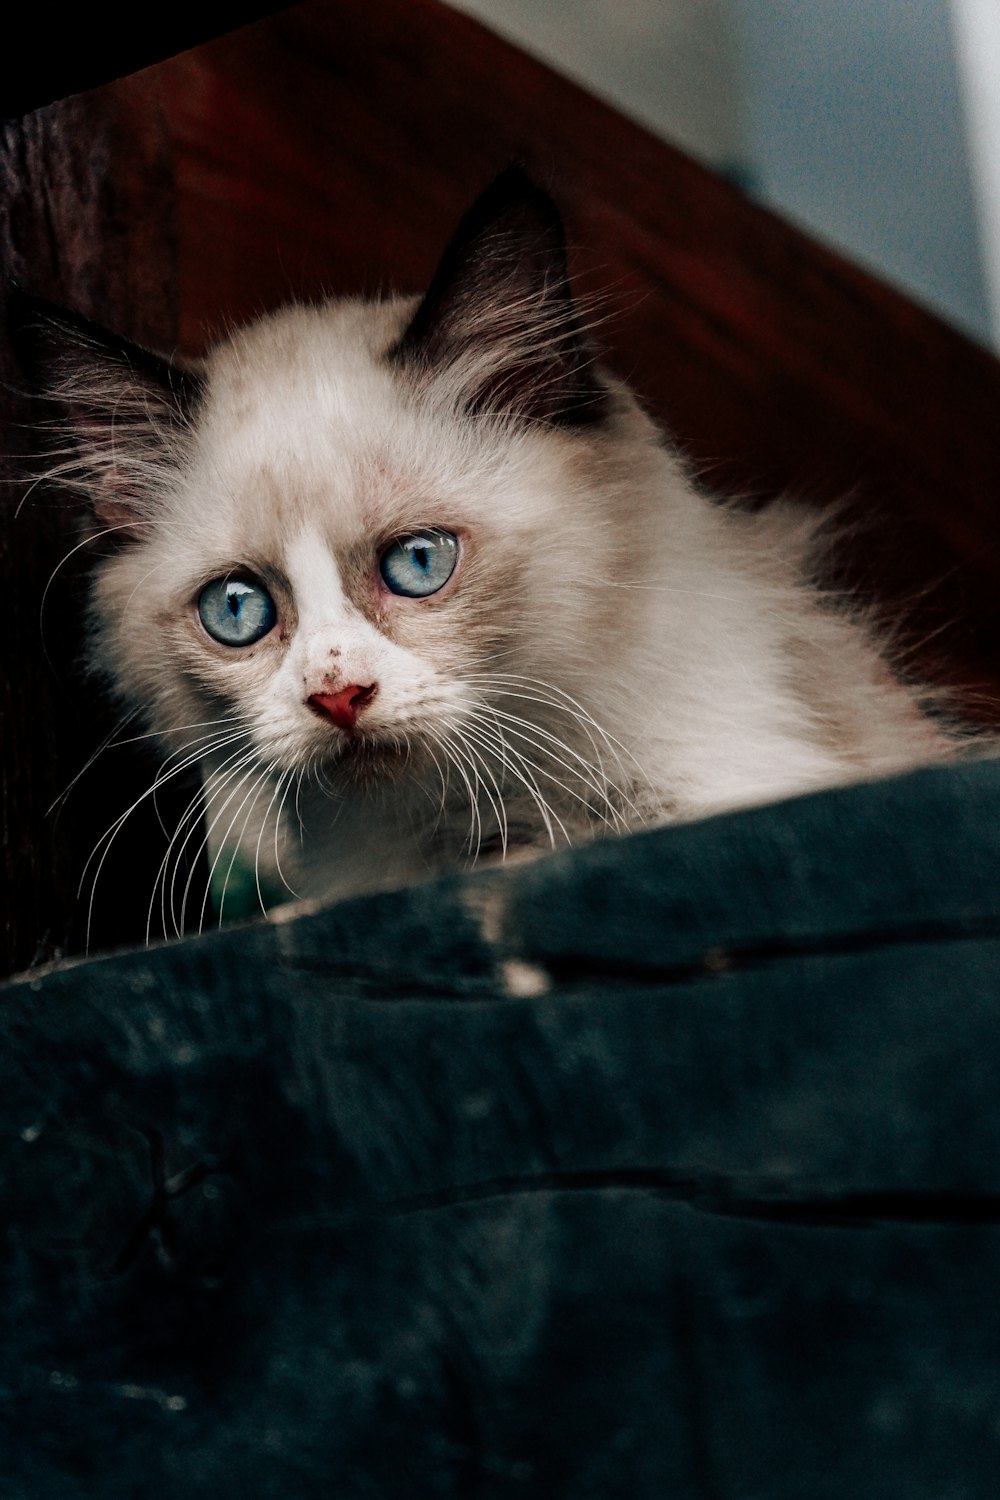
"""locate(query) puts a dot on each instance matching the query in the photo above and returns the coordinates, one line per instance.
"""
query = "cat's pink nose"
(343, 707)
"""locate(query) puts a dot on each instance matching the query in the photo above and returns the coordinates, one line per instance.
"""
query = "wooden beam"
(87, 219)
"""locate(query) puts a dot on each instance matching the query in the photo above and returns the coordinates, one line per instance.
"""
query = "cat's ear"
(122, 413)
(499, 322)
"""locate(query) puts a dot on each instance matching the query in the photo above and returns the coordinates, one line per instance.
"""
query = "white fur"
(670, 657)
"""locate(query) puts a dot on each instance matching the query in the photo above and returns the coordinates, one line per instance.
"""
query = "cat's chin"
(366, 760)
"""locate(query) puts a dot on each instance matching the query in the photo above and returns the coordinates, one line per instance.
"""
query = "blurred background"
(873, 124)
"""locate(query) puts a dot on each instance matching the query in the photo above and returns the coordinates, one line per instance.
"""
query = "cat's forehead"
(307, 424)
(324, 366)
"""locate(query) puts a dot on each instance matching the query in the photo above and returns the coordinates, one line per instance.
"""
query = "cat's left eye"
(236, 611)
(418, 565)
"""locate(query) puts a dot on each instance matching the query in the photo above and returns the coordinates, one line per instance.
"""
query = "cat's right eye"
(236, 611)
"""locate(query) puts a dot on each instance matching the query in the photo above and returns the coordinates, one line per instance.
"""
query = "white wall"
(855, 118)
(857, 131)
(976, 25)
(668, 63)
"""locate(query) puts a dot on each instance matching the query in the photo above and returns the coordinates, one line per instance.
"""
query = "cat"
(419, 582)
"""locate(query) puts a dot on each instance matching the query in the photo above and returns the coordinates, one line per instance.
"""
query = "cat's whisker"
(298, 808)
(294, 778)
(275, 795)
(105, 744)
(445, 742)
(612, 819)
(165, 773)
(650, 586)
(545, 741)
(285, 780)
(460, 761)
(191, 821)
(557, 698)
(577, 766)
(41, 481)
(521, 769)
(169, 730)
(256, 790)
(256, 776)
(468, 739)
(204, 751)
(217, 779)
(466, 748)
(86, 542)
(430, 742)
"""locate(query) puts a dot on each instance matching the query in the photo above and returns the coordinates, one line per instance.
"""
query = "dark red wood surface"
(48, 57)
(86, 218)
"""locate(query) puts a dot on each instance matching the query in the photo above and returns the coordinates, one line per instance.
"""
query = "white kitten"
(420, 582)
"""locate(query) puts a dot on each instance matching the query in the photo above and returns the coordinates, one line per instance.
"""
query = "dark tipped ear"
(499, 316)
(122, 410)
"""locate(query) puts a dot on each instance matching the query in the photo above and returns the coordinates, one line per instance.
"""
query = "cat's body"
(610, 647)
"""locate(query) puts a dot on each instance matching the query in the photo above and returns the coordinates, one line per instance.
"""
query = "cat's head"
(342, 529)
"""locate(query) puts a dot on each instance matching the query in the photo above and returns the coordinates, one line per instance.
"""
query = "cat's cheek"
(471, 618)
(237, 676)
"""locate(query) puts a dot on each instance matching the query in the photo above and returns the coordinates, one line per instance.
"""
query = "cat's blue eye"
(236, 611)
(418, 565)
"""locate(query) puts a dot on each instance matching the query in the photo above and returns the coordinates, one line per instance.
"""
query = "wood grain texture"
(87, 220)
(54, 57)
(667, 1168)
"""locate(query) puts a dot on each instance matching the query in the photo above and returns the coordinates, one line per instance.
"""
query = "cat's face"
(340, 560)
(344, 530)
